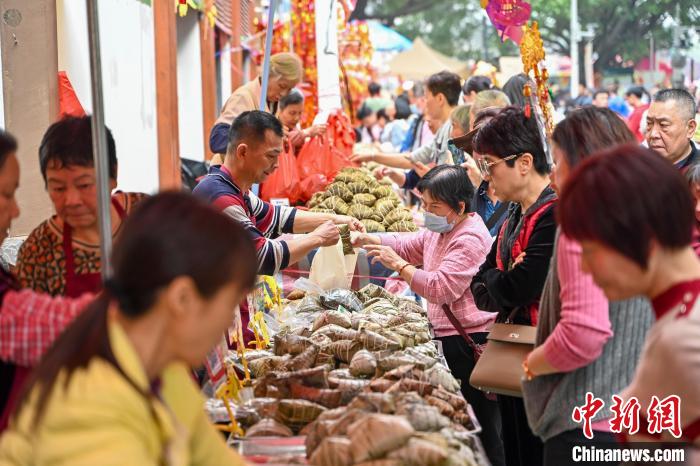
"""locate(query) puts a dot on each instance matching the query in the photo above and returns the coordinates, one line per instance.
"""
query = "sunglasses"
(485, 166)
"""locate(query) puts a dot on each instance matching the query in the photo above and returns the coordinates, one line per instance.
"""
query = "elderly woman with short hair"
(286, 71)
(438, 263)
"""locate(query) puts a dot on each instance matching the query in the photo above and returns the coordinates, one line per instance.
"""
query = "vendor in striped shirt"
(255, 143)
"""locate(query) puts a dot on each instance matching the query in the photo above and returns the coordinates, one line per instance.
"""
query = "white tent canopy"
(420, 61)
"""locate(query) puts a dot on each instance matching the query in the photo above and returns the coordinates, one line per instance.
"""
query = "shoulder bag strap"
(496, 215)
(477, 349)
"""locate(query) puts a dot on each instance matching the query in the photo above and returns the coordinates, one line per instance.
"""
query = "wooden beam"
(207, 47)
(165, 35)
(237, 78)
(30, 95)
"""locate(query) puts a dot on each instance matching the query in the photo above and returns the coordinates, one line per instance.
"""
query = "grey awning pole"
(99, 141)
(268, 49)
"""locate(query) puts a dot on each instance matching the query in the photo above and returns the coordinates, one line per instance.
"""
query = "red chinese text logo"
(587, 412)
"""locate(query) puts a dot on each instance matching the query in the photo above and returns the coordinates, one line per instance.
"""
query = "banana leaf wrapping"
(361, 212)
(402, 226)
(337, 204)
(377, 434)
(341, 190)
(419, 452)
(384, 206)
(364, 198)
(316, 199)
(345, 239)
(333, 451)
(373, 226)
(269, 428)
(397, 215)
(373, 291)
(358, 187)
(296, 414)
(381, 191)
(344, 177)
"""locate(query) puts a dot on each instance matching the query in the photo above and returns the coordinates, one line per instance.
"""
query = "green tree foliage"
(622, 27)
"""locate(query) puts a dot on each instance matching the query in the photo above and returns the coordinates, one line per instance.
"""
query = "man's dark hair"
(637, 91)
(476, 84)
(447, 84)
(295, 97)
(626, 198)
(363, 112)
(8, 145)
(511, 132)
(374, 89)
(449, 184)
(381, 114)
(684, 101)
(68, 143)
(251, 127)
(600, 91)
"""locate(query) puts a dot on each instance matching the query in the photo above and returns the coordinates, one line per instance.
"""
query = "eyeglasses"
(485, 166)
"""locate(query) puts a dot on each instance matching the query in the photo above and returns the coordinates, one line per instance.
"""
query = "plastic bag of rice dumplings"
(331, 268)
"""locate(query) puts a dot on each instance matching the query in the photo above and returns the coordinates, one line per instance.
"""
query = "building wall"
(128, 79)
(28, 55)
(189, 87)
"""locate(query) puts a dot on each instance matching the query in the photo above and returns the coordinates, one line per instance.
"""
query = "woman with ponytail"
(115, 387)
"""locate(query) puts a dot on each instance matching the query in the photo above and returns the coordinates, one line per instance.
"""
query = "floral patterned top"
(41, 261)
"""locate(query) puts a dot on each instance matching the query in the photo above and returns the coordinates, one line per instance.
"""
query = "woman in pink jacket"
(439, 263)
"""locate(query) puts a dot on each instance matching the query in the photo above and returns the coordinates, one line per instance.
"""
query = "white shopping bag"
(331, 269)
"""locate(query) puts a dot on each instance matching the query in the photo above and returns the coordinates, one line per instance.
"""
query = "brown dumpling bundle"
(397, 215)
(384, 206)
(333, 451)
(315, 200)
(360, 212)
(364, 198)
(297, 413)
(337, 204)
(363, 364)
(339, 318)
(381, 191)
(420, 452)
(373, 226)
(377, 434)
(358, 187)
(341, 190)
(402, 226)
(269, 428)
(344, 177)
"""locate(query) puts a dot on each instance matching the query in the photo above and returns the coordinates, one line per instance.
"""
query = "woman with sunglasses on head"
(511, 279)
(585, 343)
(448, 252)
(115, 387)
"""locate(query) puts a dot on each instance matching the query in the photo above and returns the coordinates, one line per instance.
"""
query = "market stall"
(345, 368)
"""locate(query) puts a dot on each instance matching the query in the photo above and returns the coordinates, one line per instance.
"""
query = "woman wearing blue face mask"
(439, 263)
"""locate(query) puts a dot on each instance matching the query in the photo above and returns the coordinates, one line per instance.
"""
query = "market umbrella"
(421, 61)
(385, 39)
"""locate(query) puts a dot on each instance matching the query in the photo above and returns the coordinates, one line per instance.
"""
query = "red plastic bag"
(311, 185)
(284, 181)
(68, 103)
(309, 158)
(319, 156)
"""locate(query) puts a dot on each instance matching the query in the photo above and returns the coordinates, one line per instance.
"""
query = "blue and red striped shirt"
(264, 221)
